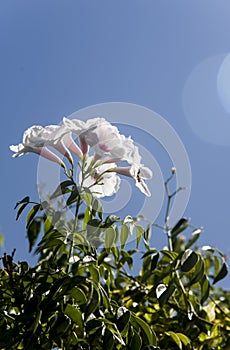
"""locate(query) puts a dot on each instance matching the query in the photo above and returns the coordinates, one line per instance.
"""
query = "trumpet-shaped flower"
(36, 138)
(139, 173)
(22, 149)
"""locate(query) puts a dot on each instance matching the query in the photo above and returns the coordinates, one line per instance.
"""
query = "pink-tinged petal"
(46, 153)
(70, 143)
(123, 170)
(60, 147)
(83, 145)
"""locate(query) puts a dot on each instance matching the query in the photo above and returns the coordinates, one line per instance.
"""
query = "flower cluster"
(99, 171)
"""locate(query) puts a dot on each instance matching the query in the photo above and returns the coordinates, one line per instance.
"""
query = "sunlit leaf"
(124, 235)
(151, 336)
(78, 295)
(176, 339)
(139, 234)
(75, 314)
(33, 211)
(110, 236)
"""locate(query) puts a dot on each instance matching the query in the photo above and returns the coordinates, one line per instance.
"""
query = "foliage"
(82, 293)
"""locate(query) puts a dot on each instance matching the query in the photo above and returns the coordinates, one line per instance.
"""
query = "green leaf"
(204, 283)
(188, 260)
(48, 224)
(154, 260)
(139, 234)
(108, 340)
(78, 295)
(73, 196)
(136, 341)
(123, 317)
(164, 297)
(199, 271)
(24, 200)
(222, 273)
(180, 226)
(62, 189)
(110, 237)
(1, 240)
(149, 252)
(94, 272)
(93, 302)
(151, 336)
(124, 235)
(75, 314)
(20, 210)
(175, 338)
(195, 235)
(33, 211)
(185, 340)
(33, 232)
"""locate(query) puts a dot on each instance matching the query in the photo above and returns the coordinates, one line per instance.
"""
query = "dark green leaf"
(151, 336)
(199, 271)
(222, 273)
(78, 295)
(180, 226)
(33, 232)
(24, 200)
(195, 235)
(154, 260)
(108, 340)
(73, 196)
(123, 317)
(164, 297)
(136, 341)
(175, 338)
(188, 260)
(93, 303)
(20, 210)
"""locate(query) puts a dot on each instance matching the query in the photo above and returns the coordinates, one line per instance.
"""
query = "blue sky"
(169, 56)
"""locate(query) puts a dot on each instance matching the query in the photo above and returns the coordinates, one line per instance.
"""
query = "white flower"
(100, 182)
(36, 138)
(139, 173)
(105, 139)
